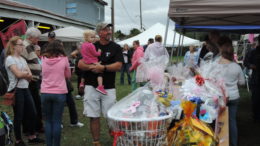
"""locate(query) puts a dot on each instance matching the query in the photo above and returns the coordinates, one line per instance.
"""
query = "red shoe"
(81, 88)
(101, 90)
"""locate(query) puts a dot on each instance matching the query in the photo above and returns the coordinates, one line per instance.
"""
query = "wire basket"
(138, 131)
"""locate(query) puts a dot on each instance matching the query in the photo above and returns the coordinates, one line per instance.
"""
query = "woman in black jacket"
(126, 65)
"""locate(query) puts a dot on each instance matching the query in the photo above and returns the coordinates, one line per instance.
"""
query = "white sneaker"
(78, 97)
(77, 125)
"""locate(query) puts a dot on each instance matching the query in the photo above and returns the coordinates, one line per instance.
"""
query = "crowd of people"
(41, 78)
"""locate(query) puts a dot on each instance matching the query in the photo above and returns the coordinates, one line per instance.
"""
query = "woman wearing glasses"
(19, 76)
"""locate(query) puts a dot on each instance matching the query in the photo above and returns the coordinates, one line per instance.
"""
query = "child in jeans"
(90, 56)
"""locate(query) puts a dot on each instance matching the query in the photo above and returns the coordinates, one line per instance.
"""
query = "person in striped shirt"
(32, 38)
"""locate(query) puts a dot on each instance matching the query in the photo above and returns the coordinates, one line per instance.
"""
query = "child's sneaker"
(101, 90)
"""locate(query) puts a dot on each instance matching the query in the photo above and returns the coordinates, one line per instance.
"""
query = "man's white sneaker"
(77, 125)
(78, 97)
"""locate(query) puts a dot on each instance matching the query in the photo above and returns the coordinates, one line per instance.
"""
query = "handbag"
(9, 97)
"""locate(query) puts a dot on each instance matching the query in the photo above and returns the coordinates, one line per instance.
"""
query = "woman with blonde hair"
(90, 56)
(19, 76)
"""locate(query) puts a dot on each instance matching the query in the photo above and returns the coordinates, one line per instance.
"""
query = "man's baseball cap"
(51, 34)
(102, 25)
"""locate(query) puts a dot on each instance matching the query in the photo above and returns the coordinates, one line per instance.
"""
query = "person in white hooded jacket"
(155, 50)
(154, 61)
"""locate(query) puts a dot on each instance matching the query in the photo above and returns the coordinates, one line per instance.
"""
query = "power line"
(141, 21)
(112, 18)
(127, 12)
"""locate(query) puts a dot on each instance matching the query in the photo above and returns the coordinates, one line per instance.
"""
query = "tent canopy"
(242, 29)
(159, 29)
(67, 34)
(216, 12)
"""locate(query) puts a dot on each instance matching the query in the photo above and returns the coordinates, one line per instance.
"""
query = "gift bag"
(190, 131)
(9, 98)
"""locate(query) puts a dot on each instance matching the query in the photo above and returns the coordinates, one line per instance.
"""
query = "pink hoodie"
(138, 54)
(54, 72)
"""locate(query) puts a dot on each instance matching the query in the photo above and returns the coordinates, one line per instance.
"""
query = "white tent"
(67, 34)
(159, 29)
(215, 12)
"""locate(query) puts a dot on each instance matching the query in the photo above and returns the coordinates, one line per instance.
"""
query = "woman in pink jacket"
(138, 54)
(55, 68)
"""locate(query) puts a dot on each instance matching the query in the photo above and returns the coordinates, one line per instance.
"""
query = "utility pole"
(112, 19)
(141, 23)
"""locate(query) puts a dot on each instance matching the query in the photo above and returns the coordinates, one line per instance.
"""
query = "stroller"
(6, 126)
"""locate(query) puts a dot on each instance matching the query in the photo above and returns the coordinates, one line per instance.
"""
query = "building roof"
(42, 11)
(102, 2)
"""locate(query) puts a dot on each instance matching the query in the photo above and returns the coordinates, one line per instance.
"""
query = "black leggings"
(24, 109)
(2, 140)
(72, 108)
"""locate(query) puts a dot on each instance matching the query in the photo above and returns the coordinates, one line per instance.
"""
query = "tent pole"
(173, 44)
(244, 47)
(166, 32)
(178, 48)
(182, 44)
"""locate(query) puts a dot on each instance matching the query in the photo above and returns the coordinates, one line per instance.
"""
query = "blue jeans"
(52, 107)
(133, 82)
(232, 113)
(125, 68)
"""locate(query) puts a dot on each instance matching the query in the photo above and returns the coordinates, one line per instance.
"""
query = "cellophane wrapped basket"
(138, 120)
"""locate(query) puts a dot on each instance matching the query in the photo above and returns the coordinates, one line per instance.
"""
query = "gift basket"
(139, 119)
(174, 108)
(202, 95)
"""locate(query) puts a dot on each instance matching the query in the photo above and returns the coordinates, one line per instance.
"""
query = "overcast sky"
(127, 13)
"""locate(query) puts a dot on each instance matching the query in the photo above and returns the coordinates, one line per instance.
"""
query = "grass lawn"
(248, 130)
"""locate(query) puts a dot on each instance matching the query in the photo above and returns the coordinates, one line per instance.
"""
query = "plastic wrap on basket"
(137, 119)
(179, 71)
(146, 70)
(210, 92)
(190, 131)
